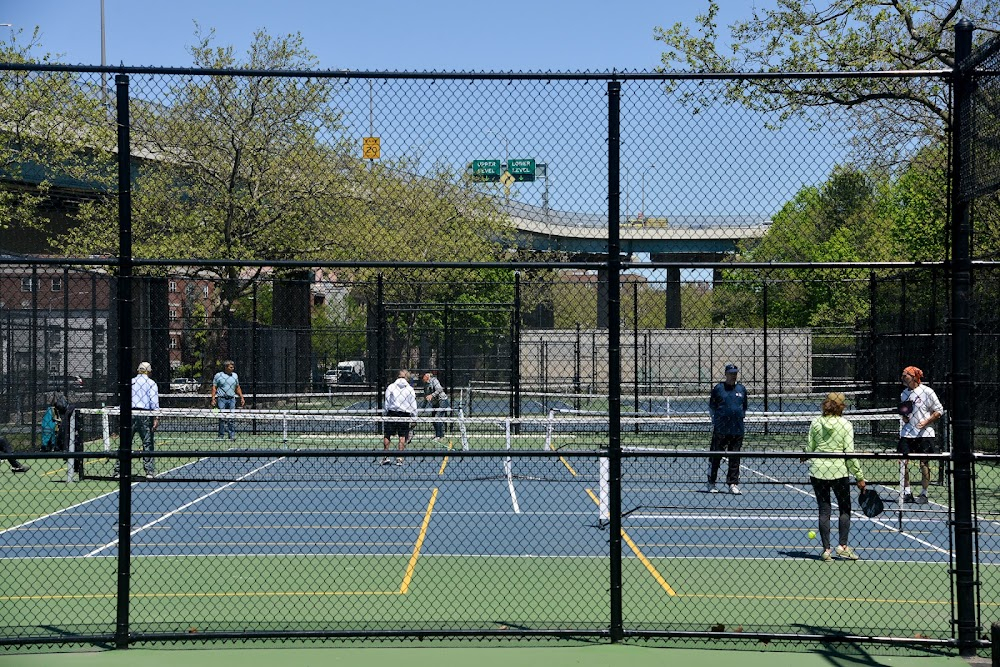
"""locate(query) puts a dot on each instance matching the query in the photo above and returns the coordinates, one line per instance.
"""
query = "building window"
(27, 285)
(173, 313)
(57, 284)
(99, 336)
(173, 286)
(204, 291)
(173, 342)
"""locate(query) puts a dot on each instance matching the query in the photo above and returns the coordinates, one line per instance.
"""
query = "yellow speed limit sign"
(372, 148)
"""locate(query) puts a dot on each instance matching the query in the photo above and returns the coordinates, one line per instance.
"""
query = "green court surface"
(481, 655)
(699, 577)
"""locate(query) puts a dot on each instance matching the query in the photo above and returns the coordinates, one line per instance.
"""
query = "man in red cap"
(919, 407)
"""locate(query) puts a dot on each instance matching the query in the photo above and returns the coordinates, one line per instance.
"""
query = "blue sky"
(444, 35)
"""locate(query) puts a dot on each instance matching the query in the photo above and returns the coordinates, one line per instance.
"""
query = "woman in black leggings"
(831, 433)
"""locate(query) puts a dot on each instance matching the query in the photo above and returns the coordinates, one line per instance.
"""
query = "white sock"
(907, 490)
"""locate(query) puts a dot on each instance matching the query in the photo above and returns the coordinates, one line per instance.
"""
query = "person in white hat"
(145, 399)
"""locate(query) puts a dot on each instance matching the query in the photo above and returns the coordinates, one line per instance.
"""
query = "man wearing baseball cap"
(727, 404)
(145, 400)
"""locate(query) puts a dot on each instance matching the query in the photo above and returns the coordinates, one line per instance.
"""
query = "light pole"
(506, 146)
(104, 61)
(103, 53)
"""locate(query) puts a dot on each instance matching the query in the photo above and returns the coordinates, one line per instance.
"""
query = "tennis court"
(503, 525)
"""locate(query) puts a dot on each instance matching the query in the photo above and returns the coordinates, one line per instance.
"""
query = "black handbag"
(871, 503)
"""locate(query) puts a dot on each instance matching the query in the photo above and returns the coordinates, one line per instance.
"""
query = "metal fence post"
(961, 361)
(124, 360)
(614, 359)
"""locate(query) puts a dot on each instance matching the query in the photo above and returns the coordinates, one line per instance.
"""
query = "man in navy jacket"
(727, 404)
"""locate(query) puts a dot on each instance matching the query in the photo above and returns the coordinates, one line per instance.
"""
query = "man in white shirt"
(400, 407)
(145, 399)
(919, 407)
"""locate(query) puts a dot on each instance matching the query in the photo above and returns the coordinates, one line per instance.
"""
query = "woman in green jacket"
(833, 434)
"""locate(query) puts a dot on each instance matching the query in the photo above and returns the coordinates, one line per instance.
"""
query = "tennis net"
(348, 401)
(302, 433)
(492, 401)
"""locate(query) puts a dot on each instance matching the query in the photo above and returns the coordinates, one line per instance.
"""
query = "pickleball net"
(313, 438)
(488, 400)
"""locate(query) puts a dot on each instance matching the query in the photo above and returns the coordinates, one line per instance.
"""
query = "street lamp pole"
(506, 146)
(104, 60)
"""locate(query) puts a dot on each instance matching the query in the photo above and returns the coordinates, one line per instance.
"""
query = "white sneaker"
(710, 488)
(735, 490)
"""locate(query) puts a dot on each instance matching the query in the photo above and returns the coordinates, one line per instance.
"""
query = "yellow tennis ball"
(812, 534)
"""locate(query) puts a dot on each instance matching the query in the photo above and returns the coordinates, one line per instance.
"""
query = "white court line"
(853, 513)
(510, 486)
(65, 509)
(183, 507)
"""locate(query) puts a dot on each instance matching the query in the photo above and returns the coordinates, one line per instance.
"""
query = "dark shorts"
(917, 446)
(399, 429)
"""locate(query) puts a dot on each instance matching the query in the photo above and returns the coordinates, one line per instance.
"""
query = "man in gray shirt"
(436, 399)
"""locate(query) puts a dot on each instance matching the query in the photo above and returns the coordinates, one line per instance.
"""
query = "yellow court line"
(230, 594)
(411, 566)
(568, 466)
(444, 463)
(808, 598)
(642, 558)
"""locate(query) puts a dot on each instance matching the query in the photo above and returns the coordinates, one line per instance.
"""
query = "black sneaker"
(908, 498)
(922, 499)
(19, 468)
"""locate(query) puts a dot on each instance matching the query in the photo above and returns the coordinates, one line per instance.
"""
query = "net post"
(548, 431)
(461, 429)
(603, 496)
(71, 448)
(902, 490)
(284, 428)
(105, 428)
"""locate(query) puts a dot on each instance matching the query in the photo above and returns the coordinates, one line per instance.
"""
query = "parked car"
(64, 383)
(184, 385)
(351, 372)
(330, 377)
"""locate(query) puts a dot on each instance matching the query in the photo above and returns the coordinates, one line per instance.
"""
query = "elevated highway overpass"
(675, 239)
(682, 238)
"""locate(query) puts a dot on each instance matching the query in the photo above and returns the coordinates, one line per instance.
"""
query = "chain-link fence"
(565, 265)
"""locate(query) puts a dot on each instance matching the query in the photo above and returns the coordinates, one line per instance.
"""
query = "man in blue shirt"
(225, 389)
(727, 404)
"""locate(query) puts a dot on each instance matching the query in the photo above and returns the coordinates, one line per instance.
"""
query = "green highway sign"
(522, 169)
(486, 170)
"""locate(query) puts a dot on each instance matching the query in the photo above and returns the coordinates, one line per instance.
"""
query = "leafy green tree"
(54, 130)
(887, 114)
(853, 217)
(260, 167)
